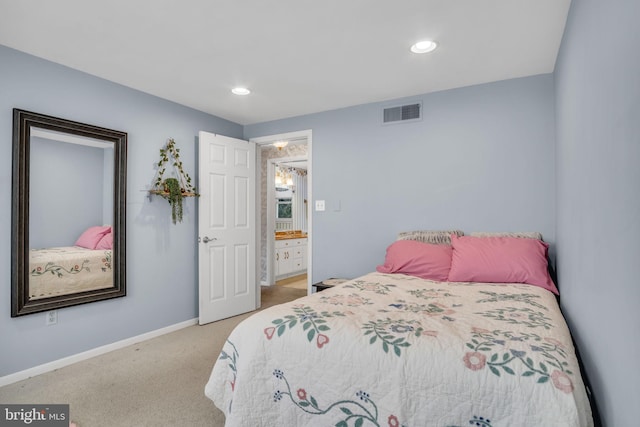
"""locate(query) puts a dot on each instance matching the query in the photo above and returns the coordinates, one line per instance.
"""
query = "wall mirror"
(68, 216)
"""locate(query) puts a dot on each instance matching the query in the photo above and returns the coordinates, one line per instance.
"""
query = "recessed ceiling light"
(424, 46)
(240, 91)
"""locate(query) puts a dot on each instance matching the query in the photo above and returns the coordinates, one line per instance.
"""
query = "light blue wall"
(598, 219)
(161, 257)
(482, 159)
(107, 186)
(63, 177)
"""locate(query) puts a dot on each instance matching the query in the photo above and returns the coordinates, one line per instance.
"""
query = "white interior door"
(226, 227)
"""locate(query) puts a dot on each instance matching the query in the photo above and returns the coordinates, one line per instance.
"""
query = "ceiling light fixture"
(424, 46)
(240, 91)
(280, 144)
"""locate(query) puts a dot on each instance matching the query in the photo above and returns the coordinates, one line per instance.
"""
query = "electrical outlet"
(52, 317)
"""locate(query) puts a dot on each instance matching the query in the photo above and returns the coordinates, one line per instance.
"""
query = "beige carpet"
(159, 382)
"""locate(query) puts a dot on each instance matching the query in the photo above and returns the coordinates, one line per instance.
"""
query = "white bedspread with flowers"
(68, 270)
(395, 350)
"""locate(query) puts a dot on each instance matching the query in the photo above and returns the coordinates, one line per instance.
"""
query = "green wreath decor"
(173, 189)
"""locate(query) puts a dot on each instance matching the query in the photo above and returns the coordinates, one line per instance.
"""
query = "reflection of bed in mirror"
(69, 180)
(68, 270)
(57, 265)
(85, 266)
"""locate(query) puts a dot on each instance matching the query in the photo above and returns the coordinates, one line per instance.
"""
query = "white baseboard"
(66, 361)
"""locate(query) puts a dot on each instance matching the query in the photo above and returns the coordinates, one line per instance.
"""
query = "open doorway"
(285, 225)
(288, 203)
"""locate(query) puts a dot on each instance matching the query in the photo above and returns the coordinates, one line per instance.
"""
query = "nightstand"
(327, 283)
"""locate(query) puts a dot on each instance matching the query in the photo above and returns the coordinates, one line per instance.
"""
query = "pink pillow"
(91, 237)
(106, 242)
(500, 260)
(418, 259)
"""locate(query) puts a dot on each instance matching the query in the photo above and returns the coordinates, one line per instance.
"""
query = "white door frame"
(266, 140)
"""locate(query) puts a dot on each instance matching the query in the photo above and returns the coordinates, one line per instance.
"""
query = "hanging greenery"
(172, 186)
(173, 189)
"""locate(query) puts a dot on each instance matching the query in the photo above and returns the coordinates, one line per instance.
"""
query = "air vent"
(402, 113)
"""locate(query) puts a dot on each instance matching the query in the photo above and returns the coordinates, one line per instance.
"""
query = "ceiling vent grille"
(402, 113)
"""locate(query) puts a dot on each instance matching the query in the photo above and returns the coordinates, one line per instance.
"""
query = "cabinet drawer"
(290, 243)
(283, 244)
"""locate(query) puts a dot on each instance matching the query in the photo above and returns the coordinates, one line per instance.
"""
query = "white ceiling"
(296, 56)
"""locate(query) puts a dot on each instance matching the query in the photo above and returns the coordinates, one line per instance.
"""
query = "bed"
(395, 349)
(68, 270)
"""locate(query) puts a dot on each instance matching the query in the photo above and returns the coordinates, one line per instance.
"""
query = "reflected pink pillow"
(92, 236)
(106, 242)
(500, 260)
(418, 259)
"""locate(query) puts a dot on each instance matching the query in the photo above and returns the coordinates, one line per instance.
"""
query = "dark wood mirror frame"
(23, 122)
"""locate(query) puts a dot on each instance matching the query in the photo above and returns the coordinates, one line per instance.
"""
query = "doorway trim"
(270, 241)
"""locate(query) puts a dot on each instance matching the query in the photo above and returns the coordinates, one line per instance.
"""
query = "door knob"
(207, 239)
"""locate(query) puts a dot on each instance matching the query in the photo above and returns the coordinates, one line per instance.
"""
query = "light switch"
(319, 205)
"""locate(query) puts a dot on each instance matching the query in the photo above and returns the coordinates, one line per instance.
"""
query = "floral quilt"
(68, 270)
(395, 350)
